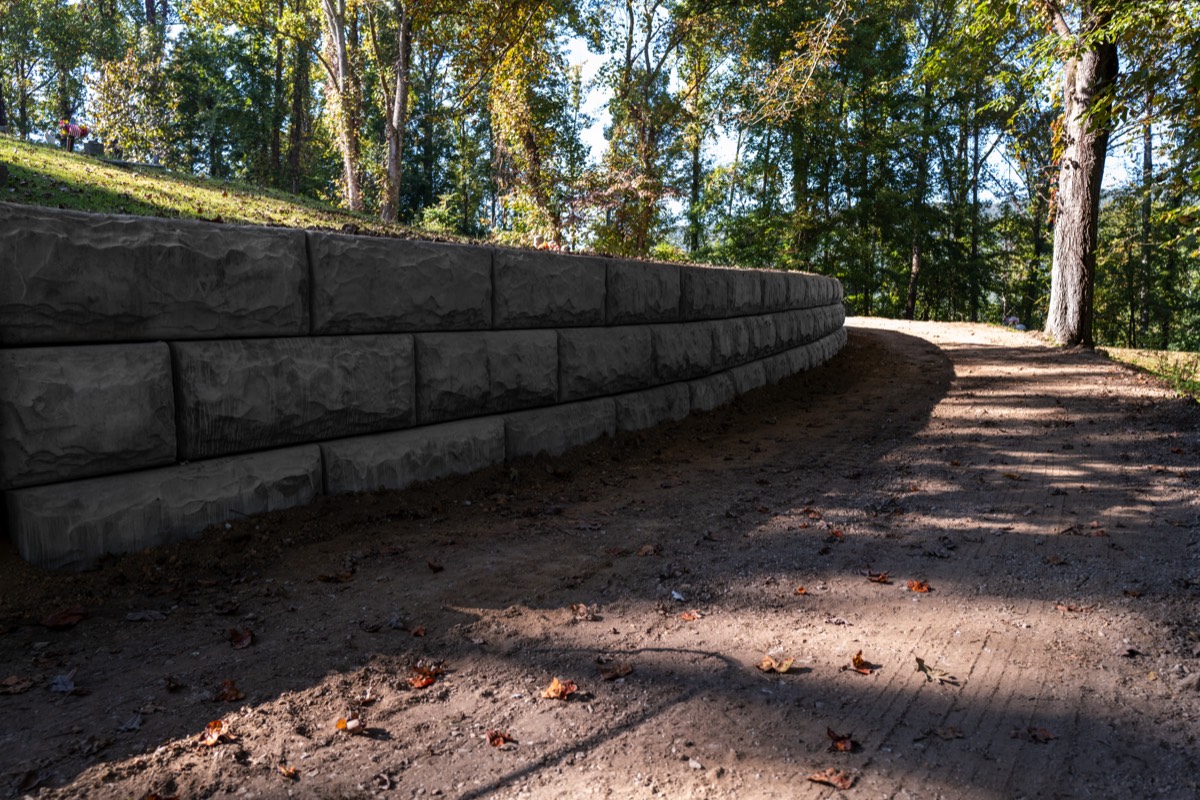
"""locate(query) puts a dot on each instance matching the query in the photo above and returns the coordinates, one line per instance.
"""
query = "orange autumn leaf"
(800, 590)
(878, 577)
(499, 738)
(769, 664)
(860, 665)
(841, 742)
(215, 733)
(418, 631)
(920, 587)
(559, 690)
(288, 772)
(229, 693)
(351, 723)
(425, 675)
(837, 778)
(690, 616)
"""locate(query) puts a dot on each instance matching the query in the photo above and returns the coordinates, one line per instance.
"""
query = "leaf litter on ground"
(935, 674)
(559, 690)
(837, 778)
(781, 666)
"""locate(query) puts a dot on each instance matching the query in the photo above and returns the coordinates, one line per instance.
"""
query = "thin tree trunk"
(299, 115)
(975, 268)
(918, 210)
(1087, 80)
(398, 118)
(341, 86)
(277, 113)
(1146, 280)
(694, 181)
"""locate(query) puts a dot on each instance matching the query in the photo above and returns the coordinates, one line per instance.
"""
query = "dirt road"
(1048, 499)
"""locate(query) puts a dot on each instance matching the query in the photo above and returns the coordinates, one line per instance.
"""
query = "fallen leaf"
(499, 738)
(1132, 593)
(955, 463)
(878, 577)
(614, 671)
(337, 577)
(841, 742)
(947, 733)
(418, 631)
(582, 612)
(837, 778)
(769, 664)
(62, 620)
(559, 690)
(351, 723)
(228, 693)
(434, 567)
(810, 512)
(1064, 608)
(1054, 560)
(216, 733)
(241, 639)
(920, 587)
(287, 772)
(690, 616)
(1013, 476)
(1036, 735)
(860, 665)
(424, 675)
(145, 616)
(800, 590)
(649, 550)
(15, 684)
(935, 674)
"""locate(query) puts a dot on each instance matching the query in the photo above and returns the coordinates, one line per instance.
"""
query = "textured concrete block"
(600, 361)
(557, 429)
(472, 374)
(73, 277)
(775, 290)
(366, 284)
(641, 292)
(809, 324)
(73, 524)
(711, 392)
(777, 368)
(542, 290)
(75, 412)
(683, 351)
(748, 377)
(651, 407)
(762, 335)
(731, 342)
(800, 359)
(799, 290)
(787, 329)
(397, 460)
(704, 293)
(237, 396)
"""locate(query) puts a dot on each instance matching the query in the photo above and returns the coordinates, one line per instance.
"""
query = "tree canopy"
(1029, 159)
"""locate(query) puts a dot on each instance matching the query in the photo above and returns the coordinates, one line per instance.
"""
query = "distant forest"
(943, 159)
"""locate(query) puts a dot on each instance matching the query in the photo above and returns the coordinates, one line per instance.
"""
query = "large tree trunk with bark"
(341, 88)
(1087, 81)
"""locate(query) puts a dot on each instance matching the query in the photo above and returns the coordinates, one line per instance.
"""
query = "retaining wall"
(159, 376)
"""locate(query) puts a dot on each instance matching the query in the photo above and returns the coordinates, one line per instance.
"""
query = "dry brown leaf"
(841, 742)
(559, 690)
(215, 733)
(351, 723)
(649, 550)
(935, 674)
(810, 512)
(614, 671)
(920, 587)
(228, 693)
(67, 618)
(860, 665)
(878, 577)
(499, 738)
(582, 612)
(800, 590)
(290, 773)
(690, 616)
(418, 631)
(1065, 608)
(837, 778)
(15, 684)
(1054, 560)
(434, 566)
(1132, 593)
(241, 639)
(337, 577)
(424, 675)
(1036, 735)
(769, 664)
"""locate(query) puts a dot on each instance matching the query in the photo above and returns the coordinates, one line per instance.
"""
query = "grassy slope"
(1180, 370)
(47, 176)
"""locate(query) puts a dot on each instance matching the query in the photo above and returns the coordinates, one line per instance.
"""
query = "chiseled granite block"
(557, 429)
(69, 277)
(645, 409)
(600, 361)
(473, 374)
(731, 342)
(748, 377)
(762, 335)
(704, 293)
(397, 460)
(542, 290)
(642, 292)
(241, 395)
(712, 392)
(775, 289)
(367, 284)
(682, 351)
(72, 524)
(75, 412)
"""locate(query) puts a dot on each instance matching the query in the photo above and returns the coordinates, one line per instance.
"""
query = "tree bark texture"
(397, 119)
(1087, 79)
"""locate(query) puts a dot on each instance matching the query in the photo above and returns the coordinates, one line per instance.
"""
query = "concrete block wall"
(160, 376)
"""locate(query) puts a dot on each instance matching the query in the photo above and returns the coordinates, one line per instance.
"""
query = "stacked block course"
(160, 376)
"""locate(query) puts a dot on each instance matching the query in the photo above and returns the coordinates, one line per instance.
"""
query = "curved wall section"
(160, 376)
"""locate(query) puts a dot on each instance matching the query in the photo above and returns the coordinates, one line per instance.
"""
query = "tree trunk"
(1030, 292)
(341, 87)
(1147, 279)
(277, 113)
(299, 115)
(918, 210)
(694, 185)
(397, 119)
(1087, 81)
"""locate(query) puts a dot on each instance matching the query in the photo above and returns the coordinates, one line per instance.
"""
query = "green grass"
(1180, 370)
(48, 176)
